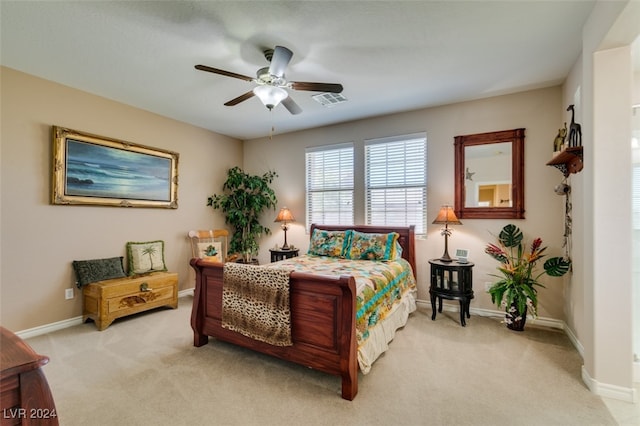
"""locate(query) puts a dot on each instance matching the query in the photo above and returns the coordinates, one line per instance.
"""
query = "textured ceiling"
(390, 56)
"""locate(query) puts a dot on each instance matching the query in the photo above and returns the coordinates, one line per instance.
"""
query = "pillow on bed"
(91, 271)
(365, 246)
(146, 257)
(329, 243)
(398, 251)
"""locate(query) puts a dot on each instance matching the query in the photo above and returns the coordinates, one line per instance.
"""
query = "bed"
(323, 309)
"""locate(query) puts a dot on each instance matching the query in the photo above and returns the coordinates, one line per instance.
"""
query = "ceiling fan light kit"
(272, 84)
(270, 96)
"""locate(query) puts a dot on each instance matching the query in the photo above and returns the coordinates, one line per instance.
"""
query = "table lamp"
(285, 217)
(446, 216)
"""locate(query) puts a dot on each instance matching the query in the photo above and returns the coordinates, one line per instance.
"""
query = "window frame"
(421, 137)
(325, 189)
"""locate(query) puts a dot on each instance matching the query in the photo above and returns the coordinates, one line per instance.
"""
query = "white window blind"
(330, 185)
(396, 181)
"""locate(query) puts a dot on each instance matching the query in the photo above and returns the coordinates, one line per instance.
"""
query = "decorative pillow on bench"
(90, 271)
(146, 257)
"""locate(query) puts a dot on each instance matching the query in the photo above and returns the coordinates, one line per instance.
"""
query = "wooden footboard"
(322, 322)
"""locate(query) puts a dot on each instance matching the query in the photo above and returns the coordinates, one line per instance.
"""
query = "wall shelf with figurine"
(568, 161)
(567, 147)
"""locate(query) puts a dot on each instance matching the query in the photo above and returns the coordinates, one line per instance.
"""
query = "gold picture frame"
(95, 170)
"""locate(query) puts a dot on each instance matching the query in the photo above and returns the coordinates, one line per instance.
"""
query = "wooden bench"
(104, 301)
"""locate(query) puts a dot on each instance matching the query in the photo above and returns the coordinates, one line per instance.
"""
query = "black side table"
(452, 281)
(279, 254)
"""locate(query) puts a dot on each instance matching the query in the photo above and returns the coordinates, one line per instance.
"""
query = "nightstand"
(452, 281)
(279, 254)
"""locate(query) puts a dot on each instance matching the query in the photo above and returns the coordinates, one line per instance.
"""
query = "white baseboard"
(574, 340)
(542, 321)
(609, 391)
(49, 328)
(187, 292)
(55, 326)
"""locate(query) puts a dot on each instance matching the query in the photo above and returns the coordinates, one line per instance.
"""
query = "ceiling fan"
(271, 82)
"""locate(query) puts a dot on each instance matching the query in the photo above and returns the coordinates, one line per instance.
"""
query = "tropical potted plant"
(516, 288)
(243, 200)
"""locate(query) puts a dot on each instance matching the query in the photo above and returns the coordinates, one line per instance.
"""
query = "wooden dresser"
(104, 301)
(25, 397)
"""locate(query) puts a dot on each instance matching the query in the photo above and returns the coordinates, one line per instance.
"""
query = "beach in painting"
(105, 172)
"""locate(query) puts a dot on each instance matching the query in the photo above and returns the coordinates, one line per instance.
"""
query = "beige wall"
(575, 292)
(39, 240)
(539, 111)
(34, 296)
(599, 298)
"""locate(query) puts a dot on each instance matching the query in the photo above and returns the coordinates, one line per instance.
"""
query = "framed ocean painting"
(91, 169)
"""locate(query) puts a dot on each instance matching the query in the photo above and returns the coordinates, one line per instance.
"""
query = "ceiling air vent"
(329, 99)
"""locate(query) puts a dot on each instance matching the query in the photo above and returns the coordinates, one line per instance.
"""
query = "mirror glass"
(489, 175)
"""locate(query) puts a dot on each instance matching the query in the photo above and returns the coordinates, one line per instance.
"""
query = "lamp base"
(285, 246)
(445, 256)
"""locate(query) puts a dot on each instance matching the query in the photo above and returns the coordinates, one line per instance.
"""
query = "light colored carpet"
(144, 370)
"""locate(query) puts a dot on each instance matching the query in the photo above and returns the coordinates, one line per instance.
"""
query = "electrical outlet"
(68, 293)
(487, 286)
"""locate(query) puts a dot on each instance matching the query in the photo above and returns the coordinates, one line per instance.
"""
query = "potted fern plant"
(516, 288)
(243, 199)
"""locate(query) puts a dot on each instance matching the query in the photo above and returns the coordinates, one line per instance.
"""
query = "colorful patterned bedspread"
(380, 285)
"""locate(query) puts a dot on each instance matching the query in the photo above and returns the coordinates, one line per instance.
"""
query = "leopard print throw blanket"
(255, 302)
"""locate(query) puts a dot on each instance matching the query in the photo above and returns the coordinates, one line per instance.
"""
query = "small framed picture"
(462, 255)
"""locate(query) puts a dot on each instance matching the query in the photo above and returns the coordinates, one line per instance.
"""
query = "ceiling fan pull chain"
(272, 126)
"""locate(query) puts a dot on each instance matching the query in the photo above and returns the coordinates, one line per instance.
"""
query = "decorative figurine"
(575, 130)
(558, 142)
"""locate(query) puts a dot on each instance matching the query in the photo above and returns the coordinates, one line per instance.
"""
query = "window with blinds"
(396, 181)
(329, 171)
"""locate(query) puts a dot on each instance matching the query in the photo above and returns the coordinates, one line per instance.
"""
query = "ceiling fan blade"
(223, 72)
(280, 60)
(291, 105)
(241, 98)
(317, 87)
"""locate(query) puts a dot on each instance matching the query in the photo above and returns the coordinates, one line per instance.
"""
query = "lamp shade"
(285, 216)
(447, 216)
(270, 96)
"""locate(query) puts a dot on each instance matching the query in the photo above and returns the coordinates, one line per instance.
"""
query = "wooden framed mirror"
(489, 175)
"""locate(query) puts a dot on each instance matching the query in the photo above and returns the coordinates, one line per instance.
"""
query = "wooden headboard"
(406, 236)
